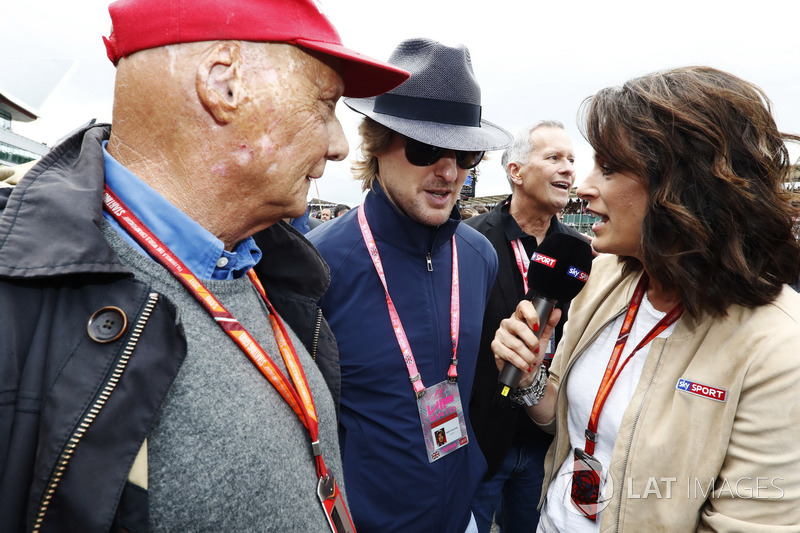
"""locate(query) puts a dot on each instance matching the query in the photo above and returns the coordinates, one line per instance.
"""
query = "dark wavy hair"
(718, 227)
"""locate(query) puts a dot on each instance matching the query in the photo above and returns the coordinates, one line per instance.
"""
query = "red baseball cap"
(141, 24)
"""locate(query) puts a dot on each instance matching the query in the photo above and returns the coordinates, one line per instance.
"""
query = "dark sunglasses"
(423, 155)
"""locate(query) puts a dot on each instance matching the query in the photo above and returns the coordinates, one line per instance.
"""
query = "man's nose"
(446, 167)
(337, 142)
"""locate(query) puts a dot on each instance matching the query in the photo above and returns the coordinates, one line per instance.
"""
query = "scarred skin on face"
(245, 155)
(288, 125)
(230, 132)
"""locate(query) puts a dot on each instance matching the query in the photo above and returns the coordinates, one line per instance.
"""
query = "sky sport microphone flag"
(558, 271)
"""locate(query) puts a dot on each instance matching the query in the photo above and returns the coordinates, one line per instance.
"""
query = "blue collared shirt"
(200, 251)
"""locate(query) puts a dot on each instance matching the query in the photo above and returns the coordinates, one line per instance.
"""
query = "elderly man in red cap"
(155, 369)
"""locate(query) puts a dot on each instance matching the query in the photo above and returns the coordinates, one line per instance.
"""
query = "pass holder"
(333, 505)
(585, 492)
(444, 426)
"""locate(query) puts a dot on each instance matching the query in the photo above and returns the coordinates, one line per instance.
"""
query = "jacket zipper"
(69, 449)
(430, 263)
(633, 431)
(315, 341)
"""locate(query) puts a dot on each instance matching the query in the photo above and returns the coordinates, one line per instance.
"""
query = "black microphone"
(557, 272)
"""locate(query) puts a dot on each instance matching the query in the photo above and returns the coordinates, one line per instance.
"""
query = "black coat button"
(107, 324)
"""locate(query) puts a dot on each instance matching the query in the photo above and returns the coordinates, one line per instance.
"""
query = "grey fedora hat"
(440, 104)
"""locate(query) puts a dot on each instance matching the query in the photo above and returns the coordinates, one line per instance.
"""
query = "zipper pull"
(430, 263)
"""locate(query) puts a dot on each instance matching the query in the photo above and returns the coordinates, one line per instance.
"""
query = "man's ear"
(513, 171)
(219, 80)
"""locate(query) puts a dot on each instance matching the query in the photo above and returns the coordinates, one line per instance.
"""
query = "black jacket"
(74, 410)
(498, 426)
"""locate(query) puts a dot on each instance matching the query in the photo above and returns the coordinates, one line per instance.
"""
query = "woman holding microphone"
(675, 392)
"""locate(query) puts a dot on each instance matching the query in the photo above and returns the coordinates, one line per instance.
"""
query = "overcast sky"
(535, 60)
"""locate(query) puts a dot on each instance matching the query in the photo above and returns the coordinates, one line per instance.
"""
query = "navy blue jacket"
(391, 486)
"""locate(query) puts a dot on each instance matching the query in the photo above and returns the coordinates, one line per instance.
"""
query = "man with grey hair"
(539, 167)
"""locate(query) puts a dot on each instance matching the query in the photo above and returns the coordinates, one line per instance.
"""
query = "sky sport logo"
(578, 274)
(543, 260)
(706, 391)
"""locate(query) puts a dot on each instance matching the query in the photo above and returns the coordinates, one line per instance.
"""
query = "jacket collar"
(390, 225)
(616, 292)
(51, 223)
(290, 262)
(511, 228)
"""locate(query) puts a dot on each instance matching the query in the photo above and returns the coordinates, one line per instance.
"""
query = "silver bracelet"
(530, 396)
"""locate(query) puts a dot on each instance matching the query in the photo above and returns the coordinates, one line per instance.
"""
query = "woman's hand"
(515, 341)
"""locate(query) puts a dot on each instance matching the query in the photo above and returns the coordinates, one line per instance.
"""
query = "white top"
(584, 381)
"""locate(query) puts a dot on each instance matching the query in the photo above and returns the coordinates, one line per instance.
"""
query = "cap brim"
(453, 137)
(363, 76)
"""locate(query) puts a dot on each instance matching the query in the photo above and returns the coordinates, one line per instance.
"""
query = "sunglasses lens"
(468, 159)
(421, 154)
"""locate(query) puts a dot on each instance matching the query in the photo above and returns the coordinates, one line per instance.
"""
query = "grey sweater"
(227, 452)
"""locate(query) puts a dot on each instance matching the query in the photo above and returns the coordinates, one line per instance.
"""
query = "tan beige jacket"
(683, 461)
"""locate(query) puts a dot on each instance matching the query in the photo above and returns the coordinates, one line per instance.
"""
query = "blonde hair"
(374, 138)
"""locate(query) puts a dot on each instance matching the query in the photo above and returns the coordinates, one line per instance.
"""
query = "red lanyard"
(612, 371)
(522, 261)
(399, 332)
(297, 392)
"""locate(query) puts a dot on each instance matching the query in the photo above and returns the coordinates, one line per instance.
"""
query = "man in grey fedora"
(409, 285)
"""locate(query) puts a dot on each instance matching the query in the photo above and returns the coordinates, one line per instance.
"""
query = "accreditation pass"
(443, 424)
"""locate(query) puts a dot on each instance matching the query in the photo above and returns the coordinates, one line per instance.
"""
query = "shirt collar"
(200, 251)
(512, 229)
(513, 232)
(510, 226)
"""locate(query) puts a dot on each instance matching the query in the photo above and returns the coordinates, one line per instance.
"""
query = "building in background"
(16, 149)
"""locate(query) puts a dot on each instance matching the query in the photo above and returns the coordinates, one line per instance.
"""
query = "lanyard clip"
(419, 388)
(452, 372)
(316, 448)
